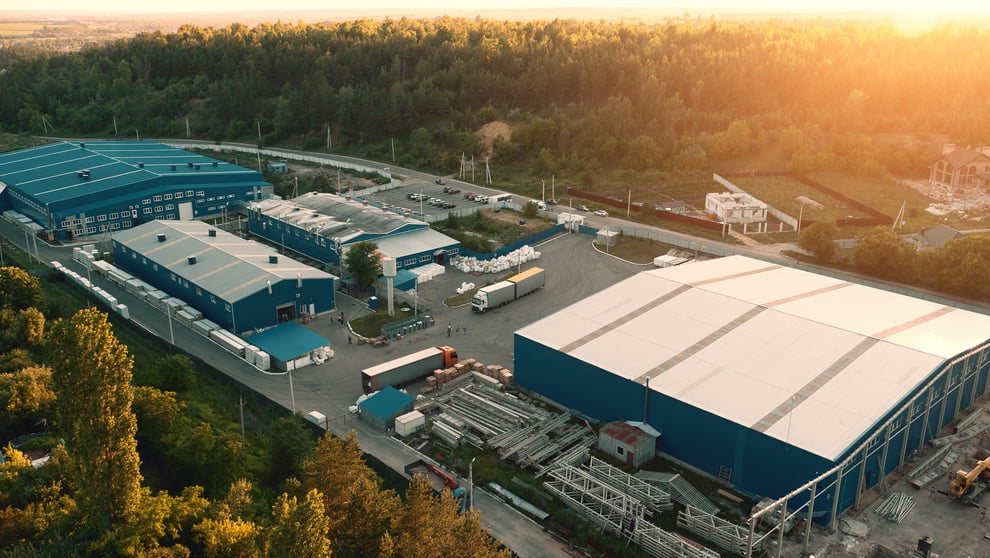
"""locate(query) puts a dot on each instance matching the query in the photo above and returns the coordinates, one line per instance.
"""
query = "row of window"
(178, 196)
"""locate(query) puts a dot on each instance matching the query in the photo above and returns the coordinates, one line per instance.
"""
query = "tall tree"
(361, 511)
(819, 239)
(18, 290)
(91, 377)
(299, 529)
(363, 263)
(429, 526)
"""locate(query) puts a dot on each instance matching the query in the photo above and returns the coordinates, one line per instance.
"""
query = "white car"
(601, 213)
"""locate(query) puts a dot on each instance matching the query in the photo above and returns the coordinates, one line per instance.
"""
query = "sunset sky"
(791, 6)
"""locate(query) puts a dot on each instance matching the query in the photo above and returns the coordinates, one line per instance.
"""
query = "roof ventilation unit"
(212, 232)
(272, 259)
(216, 163)
(82, 145)
(192, 260)
(161, 237)
(189, 164)
(173, 168)
(141, 165)
(197, 167)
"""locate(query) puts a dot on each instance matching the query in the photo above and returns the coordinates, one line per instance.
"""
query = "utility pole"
(471, 484)
(241, 405)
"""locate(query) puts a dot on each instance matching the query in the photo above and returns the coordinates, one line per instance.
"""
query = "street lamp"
(471, 484)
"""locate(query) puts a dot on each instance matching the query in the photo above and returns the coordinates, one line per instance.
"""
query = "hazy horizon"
(58, 8)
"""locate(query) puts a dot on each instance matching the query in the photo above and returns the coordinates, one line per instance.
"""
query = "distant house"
(674, 206)
(734, 207)
(933, 237)
(959, 168)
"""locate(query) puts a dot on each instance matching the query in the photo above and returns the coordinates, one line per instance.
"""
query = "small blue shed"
(381, 408)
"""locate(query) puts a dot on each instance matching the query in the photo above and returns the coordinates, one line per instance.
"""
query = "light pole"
(171, 336)
(471, 484)
(292, 392)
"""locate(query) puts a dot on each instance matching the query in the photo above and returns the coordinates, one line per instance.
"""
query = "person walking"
(348, 339)
(448, 330)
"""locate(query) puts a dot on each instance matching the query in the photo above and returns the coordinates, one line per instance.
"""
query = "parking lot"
(432, 198)
(574, 271)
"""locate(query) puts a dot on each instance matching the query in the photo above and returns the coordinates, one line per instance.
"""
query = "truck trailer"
(406, 369)
(503, 292)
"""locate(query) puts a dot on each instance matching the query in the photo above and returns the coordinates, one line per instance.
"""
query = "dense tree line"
(581, 95)
(957, 268)
(74, 377)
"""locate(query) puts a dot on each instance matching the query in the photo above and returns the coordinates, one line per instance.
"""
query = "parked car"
(448, 205)
(601, 213)
(580, 207)
(413, 195)
(435, 201)
(452, 190)
(440, 181)
(552, 201)
(481, 199)
(470, 196)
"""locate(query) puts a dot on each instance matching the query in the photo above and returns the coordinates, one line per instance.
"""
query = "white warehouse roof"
(226, 264)
(811, 360)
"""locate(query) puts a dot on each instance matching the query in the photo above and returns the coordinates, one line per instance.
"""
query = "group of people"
(450, 330)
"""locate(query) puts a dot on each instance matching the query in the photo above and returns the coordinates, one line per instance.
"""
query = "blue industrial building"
(80, 189)
(325, 226)
(767, 377)
(238, 284)
(381, 408)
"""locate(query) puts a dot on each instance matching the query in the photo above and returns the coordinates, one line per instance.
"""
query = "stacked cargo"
(118, 276)
(251, 353)
(185, 317)
(173, 305)
(228, 341)
(262, 360)
(204, 327)
(505, 376)
(157, 298)
(196, 314)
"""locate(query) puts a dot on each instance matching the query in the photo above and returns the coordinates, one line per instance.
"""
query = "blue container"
(373, 302)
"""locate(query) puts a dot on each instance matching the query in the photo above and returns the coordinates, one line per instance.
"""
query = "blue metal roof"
(386, 403)
(76, 172)
(287, 341)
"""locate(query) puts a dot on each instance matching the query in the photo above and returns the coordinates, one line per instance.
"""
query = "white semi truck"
(503, 292)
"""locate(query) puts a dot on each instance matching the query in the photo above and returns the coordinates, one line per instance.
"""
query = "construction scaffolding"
(620, 504)
(723, 534)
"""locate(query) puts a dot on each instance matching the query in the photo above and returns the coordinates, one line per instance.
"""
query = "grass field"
(19, 28)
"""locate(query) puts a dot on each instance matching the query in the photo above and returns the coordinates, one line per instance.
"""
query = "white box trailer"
(123, 311)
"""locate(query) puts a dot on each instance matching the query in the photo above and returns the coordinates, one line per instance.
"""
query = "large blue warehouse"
(238, 284)
(74, 189)
(768, 377)
(325, 226)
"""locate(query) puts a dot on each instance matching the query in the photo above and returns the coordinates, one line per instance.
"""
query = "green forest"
(140, 463)
(580, 96)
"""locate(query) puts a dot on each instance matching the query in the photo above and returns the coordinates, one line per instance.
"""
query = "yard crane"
(963, 482)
